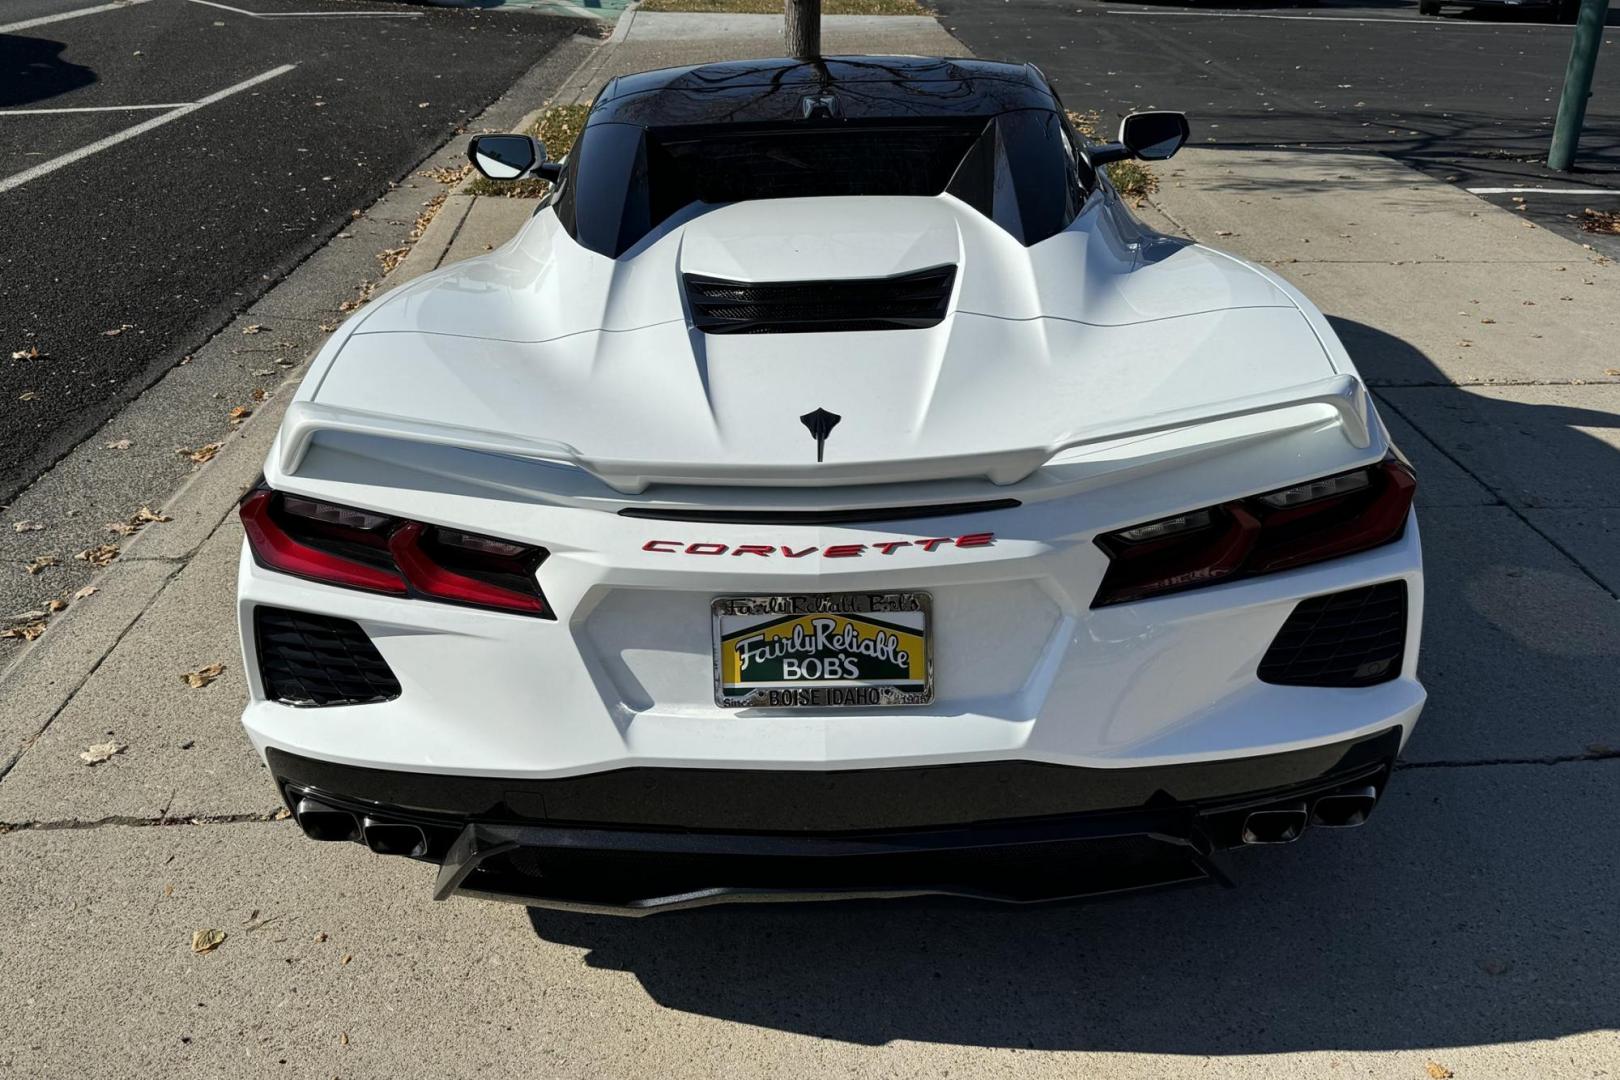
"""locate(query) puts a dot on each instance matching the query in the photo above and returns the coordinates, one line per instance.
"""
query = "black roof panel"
(866, 87)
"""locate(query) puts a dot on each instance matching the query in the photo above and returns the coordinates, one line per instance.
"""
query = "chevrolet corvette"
(833, 490)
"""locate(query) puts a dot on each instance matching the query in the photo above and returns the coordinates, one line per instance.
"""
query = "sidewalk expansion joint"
(1595, 753)
(1377, 384)
(1503, 499)
(133, 821)
(10, 762)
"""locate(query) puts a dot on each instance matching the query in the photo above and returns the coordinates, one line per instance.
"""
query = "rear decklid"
(548, 351)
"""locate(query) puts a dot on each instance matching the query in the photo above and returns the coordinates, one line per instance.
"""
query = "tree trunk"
(803, 18)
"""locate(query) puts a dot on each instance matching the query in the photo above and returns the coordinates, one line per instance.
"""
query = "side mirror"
(1154, 136)
(506, 157)
(1151, 136)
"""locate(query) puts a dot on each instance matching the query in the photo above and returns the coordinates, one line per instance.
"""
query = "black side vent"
(907, 302)
(318, 660)
(1353, 638)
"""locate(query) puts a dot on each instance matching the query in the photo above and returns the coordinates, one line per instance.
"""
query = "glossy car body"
(1126, 477)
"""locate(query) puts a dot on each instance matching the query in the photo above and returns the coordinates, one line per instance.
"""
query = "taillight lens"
(357, 549)
(1278, 530)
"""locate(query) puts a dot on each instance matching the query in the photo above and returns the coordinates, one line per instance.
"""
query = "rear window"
(733, 167)
(624, 180)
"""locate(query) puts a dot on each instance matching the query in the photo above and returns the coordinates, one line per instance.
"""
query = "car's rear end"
(953, 562)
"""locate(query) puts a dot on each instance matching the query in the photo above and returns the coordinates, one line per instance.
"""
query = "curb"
(45, 675)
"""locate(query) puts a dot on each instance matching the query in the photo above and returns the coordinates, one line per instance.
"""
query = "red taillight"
(338, 545)
(1279, 530)
(441, 583)
(277, 548)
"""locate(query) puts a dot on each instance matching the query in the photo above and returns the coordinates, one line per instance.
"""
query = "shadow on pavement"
(32, 69)
(1477, 907)
(1434, 926)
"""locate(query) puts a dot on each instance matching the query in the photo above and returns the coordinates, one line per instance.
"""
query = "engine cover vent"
(905, 302)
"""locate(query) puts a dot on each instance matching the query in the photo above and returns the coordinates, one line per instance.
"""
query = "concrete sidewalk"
(1469, 928)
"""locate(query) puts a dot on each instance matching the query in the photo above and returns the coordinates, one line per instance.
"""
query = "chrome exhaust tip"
(394, 838)
(1344, 809)
(322, 822)
(1276, 824)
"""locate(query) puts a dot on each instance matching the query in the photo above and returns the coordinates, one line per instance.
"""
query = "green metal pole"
(1583, 56)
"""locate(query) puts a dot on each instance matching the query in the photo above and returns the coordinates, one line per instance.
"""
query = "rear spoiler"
(305, 420)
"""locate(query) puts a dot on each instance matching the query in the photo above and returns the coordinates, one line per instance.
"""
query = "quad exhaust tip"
(322, 822)
(394, 838)
(1344, 809)
(1276, 824)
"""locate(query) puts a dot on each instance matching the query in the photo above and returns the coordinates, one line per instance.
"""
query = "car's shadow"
(1477, 907)
(32, 70)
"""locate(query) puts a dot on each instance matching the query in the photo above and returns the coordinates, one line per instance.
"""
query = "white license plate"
(840, 650)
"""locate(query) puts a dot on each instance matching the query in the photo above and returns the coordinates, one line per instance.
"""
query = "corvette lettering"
(832, 551)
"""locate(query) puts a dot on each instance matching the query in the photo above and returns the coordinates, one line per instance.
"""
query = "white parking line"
(1417, 24)
(312, 14)
(46, 167)
(89, 108)
(11, 28)
(1542, 191)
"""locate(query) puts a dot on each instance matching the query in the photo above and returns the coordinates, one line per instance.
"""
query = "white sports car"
(831, 491)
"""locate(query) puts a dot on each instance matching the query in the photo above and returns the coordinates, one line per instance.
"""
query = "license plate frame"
(905, 616)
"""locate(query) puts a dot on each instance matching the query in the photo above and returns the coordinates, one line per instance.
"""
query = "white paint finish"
(443, 393)
(546, 351)
(45, 168)
(311, 14)
(1159, 682)
(93, 109)
(26, 24)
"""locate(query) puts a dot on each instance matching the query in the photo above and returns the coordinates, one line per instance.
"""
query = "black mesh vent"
(318, 660)
(1353, 638)
(906, 302)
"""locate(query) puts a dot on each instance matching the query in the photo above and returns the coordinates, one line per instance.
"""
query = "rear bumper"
(639, 840)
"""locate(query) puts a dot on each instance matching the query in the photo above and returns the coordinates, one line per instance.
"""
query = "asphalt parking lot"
(162, 162)
(1468, 97)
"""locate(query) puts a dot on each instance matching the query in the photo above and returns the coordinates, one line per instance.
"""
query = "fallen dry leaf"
(119, 329)
(1438, 1071)
(202, 454)
(146, 514)
(88, 590)
(327, 327)
(347, 957)
(252, 328)
(27, 616)
(320, 937)
(53, 605)
(281, 815)
(27, 632)
(207, 940)
(100, 555)
(26, 526)
(122, 528)
(27, 395)
(259, 392)
(40, 563)
(203, 676)
(100, 752)
(119, 444)
(239, 414)
(30, 353)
